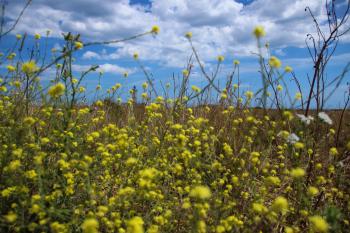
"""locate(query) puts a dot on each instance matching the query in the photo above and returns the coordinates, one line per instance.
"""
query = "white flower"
(324, 117)
(305, 119)
(292, 138)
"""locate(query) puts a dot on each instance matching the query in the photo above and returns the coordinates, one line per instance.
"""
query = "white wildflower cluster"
(325, 118)
(292, 138)
(305, 119)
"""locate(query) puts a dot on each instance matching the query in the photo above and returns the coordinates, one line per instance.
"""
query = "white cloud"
(218, 26)
(106, 68)
(110, 68)
(90, 55)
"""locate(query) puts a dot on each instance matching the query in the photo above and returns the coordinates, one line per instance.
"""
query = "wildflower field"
(167, 163)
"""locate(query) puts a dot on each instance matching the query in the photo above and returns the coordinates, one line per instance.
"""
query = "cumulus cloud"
(91, 55)
(106, 68)
(218, 26)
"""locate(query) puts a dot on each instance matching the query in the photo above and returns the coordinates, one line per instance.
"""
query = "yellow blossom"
(333, 151)
(299, 145)
(288, 69)
(29, 67)
(90, 225)
(56, 90)
(259, 208)
(274, 62)
(318, 224)
(298, 96)
(136, 56)
(280, 204)
(297, 172)
(188, 35)
(11, 68)
(259, 31)
(249, 94)
(78, 45)
(155, 29)
(185, 72)
(135, 225)
(200, 192)
(10, 217)
(312, 191)
(221, 58)
(279, 88)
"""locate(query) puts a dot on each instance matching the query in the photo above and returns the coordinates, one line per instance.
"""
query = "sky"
(219, 27)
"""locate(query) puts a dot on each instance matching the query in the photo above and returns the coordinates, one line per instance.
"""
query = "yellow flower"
(249, 94)
(297, 172)
(220, 229)
(288, 230)
(56, 227)
(57, 90)
(10, 217)
(274, 62)
(153, 229)
(188, 35)
(18, 36)
(136, 56)
(185, 72)
(221, 58)
(135, 225)
(298, 96)
(144, 95)
(195, 89)
(155, 29)
(312, 191)
(299, 145)
(37, 36)
(288, 69)
(125, 74)
(280, 204)
(200, 192)
(14, 165)
(11, 68)
(318, 224)
(11, 56)
(130, 161)
(273, 180)
(28, 121)
(3, 88)
(144, 85)
(31, 174)
(259, 208)
(201, 227)
(29, 67)
(259, 31)
(279, 88)
(236, 62)
(333, 151)
(90, 225)
(78, 45)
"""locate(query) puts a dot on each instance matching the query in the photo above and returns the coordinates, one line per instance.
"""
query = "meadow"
(168, 163)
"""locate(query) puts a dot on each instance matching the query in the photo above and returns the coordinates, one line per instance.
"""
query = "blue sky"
(219, 27)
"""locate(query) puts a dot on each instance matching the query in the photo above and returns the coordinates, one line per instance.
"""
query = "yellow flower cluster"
(56, 90)
(170, 164)
(144, 176)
